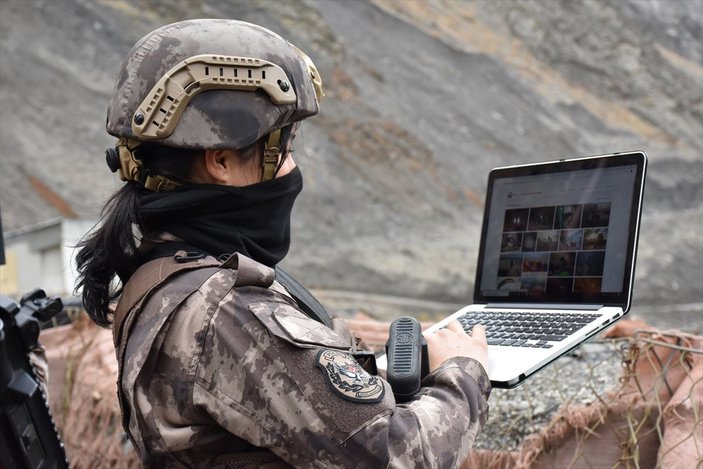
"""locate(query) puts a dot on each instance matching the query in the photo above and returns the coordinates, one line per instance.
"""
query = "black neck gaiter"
(253, 220)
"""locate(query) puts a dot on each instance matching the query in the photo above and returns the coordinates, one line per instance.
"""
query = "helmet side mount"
(122, 159)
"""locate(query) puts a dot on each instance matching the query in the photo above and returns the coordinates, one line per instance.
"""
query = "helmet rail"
(158, 114)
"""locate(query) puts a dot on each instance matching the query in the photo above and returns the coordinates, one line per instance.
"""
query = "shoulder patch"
(347, 378)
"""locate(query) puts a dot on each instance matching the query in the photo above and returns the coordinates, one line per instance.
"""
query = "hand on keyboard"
(452, 342)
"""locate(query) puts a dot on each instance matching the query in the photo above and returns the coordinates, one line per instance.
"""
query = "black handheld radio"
(408, 362)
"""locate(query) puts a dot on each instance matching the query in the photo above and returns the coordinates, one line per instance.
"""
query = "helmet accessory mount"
(158, 114)
(123, 159)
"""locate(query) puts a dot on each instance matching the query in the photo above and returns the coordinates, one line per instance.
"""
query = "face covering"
(252, 220)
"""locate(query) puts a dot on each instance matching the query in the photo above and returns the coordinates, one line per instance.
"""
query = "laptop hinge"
(542, 306)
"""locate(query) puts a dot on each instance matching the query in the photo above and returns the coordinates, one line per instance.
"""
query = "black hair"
(110, 249)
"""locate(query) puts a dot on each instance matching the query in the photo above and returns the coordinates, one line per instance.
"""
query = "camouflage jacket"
(226, 362)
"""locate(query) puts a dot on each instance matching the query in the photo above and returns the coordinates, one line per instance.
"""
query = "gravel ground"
(580, 377)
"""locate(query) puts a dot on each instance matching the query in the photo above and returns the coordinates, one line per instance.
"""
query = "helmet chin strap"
(272, 150)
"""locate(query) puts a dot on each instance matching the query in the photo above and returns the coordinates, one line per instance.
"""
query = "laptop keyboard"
(535, 330)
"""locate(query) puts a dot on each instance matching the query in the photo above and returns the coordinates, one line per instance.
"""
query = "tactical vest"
(150, 277)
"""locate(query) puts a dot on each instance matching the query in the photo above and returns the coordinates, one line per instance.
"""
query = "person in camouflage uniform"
(219, 365)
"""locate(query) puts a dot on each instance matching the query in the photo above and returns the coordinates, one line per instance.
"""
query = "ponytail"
(108, 251)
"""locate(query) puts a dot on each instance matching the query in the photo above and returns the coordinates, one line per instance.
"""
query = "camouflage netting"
(651, 419)
(83, 395)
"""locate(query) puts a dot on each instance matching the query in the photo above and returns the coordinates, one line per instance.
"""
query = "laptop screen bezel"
(621, 299)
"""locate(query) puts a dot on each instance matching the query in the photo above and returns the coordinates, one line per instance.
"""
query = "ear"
(217, 165)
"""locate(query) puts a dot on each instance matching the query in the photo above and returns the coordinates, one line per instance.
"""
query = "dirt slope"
(423, 98)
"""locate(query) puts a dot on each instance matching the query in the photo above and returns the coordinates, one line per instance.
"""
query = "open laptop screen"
(562, 232)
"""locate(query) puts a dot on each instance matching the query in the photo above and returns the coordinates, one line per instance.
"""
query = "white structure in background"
(42, 256)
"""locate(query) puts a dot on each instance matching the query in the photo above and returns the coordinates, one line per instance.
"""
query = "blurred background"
(423, 99)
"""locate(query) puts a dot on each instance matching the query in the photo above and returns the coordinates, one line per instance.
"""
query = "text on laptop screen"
(564, 235)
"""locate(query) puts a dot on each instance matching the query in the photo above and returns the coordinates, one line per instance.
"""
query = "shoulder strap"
(148, 277)
(308, 303)
(158, 271)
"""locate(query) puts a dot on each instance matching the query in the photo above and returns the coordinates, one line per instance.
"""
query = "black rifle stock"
(28, 436)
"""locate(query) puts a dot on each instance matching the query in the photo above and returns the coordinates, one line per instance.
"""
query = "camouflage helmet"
(210, 84)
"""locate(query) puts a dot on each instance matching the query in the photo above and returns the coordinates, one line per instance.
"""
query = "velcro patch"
(347, 378)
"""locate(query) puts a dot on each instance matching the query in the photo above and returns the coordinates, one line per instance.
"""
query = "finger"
(479, 332)
(456, 327)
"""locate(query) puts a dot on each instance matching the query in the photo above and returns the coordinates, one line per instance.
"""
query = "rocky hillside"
(423, 98)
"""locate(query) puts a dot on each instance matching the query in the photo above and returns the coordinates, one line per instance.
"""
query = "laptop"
(556, 259)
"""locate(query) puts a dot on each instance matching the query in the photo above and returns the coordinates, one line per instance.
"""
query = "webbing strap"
(271, 154)
(306, 301)
(148, 277)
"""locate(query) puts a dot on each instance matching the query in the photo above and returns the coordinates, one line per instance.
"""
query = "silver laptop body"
(556, 260)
